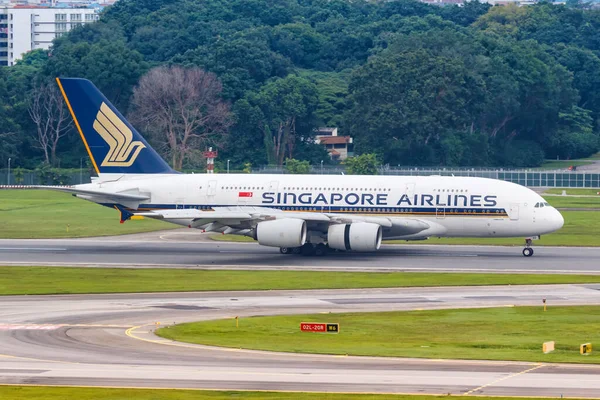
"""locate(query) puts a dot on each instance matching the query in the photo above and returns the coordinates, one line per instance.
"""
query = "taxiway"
(108, 340)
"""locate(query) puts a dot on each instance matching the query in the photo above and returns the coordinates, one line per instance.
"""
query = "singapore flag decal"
(245, 194)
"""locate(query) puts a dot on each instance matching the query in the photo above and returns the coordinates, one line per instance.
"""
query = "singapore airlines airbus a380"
(297, 213)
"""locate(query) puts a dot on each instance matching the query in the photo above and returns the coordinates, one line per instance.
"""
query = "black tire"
(527, 251)
(285, 250)
(307, 249)
(321, 250)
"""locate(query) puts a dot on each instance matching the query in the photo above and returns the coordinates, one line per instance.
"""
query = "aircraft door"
(409, 189)
(440, 212)
(273, 188)
(514, 211)
(211, 189)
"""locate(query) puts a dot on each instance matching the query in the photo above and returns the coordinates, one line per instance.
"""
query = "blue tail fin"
(112, 143)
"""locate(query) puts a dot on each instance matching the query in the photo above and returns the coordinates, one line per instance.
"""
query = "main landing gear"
(308, 249)
(290, 250)
(528, 251)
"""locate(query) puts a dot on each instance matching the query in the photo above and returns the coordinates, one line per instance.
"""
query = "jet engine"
(286, 232)
(359, 236)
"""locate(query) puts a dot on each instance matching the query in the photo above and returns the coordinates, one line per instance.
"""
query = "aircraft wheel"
(321, 250)
(527, 251)
(285, 250)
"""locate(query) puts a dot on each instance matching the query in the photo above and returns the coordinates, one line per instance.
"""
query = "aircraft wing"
(242, 219)
(248, 216)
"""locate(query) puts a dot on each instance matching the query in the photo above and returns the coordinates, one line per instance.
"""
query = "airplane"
(299, 214)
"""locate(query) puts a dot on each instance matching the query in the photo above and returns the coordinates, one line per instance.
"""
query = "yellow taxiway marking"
(129, 332)
(504, 378)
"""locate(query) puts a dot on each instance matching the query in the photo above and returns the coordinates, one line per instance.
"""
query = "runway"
(188, 249)
(107, 340)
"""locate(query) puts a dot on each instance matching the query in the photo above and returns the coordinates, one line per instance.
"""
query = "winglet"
(113, 144)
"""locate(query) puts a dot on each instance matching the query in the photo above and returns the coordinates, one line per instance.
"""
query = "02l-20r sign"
(319, 327)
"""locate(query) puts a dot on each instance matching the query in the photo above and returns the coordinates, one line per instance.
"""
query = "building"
(338, 147)
(26, 28)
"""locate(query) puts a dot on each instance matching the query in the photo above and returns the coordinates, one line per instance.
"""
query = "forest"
(414, 84)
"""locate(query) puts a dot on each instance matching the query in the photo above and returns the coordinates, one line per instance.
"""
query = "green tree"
(111, 65)
(365, 164)
(332, 90)
(576, 137)
(301, 43)
(243, 62)
(405, 100)
(9, 129)
(293, 166)
(287, 106)
(413, 82)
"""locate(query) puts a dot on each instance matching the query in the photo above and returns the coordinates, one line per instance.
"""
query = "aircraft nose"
(557, 220)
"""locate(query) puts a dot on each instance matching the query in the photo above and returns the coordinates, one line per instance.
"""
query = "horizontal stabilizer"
(119, 196)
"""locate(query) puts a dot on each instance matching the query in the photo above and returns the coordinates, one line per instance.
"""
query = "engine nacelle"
(359, 236)
(286, 232)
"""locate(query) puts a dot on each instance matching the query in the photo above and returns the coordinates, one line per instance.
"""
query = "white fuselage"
(452, 206)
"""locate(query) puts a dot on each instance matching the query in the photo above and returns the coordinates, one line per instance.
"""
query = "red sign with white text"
(245, 194)
(319, 327)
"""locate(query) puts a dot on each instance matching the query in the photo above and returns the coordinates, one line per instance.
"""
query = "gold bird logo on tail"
(123, 151)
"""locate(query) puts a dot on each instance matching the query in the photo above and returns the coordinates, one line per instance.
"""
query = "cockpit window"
(537, 205)
(547, 205)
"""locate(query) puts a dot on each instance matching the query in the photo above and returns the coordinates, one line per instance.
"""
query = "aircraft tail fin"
(114, 146)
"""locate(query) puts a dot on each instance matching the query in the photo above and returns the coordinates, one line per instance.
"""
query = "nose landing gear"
(528, 251)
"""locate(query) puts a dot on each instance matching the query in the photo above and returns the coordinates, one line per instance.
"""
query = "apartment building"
(26, 28)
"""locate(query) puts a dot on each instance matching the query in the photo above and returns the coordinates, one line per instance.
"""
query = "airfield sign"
(319, 327)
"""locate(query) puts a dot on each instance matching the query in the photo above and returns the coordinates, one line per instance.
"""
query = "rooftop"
(334, 139)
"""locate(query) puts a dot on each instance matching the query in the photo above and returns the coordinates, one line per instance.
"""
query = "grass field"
(45, 214)
(573, 201)
(55, 280)
(507, 333)
(574, 192)
(582, 228)
(61, 393)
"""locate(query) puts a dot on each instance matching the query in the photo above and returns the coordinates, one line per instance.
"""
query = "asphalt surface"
(108, 340)
(189, 249)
